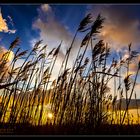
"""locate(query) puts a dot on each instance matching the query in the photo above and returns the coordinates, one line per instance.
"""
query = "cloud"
(121, 26)
(52, 32)
(4, 26)
(134, 64)
(46, 8)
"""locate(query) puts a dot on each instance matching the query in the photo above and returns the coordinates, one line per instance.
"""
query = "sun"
(50, 115)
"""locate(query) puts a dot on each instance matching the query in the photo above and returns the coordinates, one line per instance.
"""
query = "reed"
(80, 95)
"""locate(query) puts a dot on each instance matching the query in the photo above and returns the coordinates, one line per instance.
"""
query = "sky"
(25, 16)
(54, 23)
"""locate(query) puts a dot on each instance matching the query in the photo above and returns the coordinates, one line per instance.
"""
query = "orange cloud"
(4, 26)
(121, 26)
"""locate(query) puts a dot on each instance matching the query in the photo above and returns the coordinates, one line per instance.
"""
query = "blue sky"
(24, 15)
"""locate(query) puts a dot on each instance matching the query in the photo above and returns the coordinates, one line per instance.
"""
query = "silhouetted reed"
(80, 95)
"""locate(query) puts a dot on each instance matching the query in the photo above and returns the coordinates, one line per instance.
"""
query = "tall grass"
(79, 95)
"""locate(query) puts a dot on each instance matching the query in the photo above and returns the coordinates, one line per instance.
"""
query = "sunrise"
(69, 69)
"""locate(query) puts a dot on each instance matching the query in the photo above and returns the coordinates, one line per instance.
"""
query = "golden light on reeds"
(8, 56)
(133, 117)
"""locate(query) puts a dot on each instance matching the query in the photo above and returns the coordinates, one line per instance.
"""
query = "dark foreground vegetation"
(27, 129)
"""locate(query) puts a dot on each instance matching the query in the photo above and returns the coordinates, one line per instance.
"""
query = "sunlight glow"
(50, 115)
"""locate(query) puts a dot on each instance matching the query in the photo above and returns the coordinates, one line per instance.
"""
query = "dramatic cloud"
(121, 26)
(4, 25)
(52, 32)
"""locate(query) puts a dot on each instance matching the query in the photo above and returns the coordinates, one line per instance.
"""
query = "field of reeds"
(79, 100)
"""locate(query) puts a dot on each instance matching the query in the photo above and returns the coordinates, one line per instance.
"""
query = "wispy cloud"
(52, 32)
